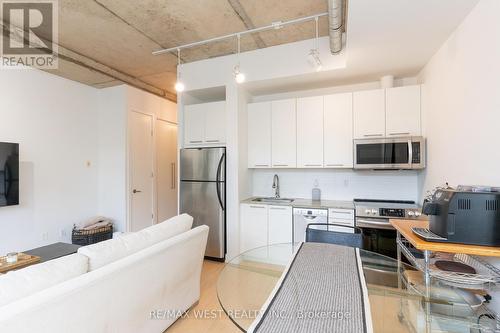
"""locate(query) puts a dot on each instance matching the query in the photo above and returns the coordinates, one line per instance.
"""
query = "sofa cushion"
(106, 252)
(24, 282)
(167, 229)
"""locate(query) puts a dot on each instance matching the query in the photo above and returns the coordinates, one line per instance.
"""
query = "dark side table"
(53, 251)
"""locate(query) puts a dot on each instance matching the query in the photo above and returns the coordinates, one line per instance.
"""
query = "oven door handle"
(374, 224)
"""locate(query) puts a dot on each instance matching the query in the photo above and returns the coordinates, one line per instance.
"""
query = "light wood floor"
(208, 301)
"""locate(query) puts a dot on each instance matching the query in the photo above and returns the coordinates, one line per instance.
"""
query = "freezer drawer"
(200, 200)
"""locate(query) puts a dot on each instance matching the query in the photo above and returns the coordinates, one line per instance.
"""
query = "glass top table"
(398, 299)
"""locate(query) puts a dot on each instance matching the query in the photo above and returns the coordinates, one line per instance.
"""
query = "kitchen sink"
(273, 200)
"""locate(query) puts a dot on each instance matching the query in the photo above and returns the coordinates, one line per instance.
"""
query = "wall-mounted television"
(9, 174)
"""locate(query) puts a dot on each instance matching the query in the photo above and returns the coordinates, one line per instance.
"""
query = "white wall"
(462, 105)
(73, 153)
(112, 171)
(115, 104)
(339, 184)
(55, 122)
(280, 61)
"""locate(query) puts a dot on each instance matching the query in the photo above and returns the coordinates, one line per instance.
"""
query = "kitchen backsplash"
(338, 184)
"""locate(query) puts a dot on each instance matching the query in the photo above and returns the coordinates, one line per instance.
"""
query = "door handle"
(172, 187)
(410, 152)
(136, 191)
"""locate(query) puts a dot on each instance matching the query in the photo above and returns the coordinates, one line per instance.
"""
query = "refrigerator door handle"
(219, 169)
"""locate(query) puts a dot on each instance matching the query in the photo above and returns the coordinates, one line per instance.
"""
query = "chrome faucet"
(276, 186)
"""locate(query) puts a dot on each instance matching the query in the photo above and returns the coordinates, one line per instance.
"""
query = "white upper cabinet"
(284, 134)
(205, 124)
(215, 122)
(369, 114)
(338, 131)
(403, 111)
(259, 135)
(310, 132)
(194, 124)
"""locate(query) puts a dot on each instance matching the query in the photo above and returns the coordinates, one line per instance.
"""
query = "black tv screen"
(9, 174)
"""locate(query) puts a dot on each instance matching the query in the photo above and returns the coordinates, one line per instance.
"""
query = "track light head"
(314, 60)
(179, 86)
(239, 77)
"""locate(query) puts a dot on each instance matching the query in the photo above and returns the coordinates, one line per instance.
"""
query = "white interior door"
(141, 171)
(166, 170)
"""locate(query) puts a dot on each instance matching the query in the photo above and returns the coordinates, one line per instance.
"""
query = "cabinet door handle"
(280, 165)
(261, 165)
(401, 133)
(313, 165)
(335, 165)
(212, 141)
(372, 135)
(195, 141)
(260, 207)
(278, 208)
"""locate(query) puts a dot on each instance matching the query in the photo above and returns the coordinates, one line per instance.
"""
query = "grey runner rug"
(322, 290)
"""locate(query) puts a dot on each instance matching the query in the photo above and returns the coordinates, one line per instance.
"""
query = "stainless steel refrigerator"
(203, 194)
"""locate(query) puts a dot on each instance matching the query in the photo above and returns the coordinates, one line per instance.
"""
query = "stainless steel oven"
(372, 217)
(390, 153)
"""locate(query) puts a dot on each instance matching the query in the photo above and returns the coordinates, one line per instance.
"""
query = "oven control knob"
(411, 213)
(368, 211)
(418, 214)
(374, 211)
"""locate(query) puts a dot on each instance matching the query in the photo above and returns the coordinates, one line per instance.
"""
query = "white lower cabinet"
(262, 225)
(253, 227)
(341, 217)
(279, 224)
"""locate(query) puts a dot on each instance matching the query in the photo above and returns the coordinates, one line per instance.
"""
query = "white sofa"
(118, 284)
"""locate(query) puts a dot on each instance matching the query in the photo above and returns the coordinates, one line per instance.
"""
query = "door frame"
(128, 181)
(155, 166)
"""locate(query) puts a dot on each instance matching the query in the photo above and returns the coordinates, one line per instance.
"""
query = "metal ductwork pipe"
(336, 24)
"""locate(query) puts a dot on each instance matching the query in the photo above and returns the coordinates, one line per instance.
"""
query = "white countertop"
(305, 203)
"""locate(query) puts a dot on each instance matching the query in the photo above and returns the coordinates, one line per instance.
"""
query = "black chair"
(334, 237)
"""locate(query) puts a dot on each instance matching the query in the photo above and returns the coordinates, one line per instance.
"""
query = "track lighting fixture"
(179, 85)
(239, 77)
(313, 57)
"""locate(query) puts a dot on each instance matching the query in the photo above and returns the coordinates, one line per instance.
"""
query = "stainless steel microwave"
(390, 153)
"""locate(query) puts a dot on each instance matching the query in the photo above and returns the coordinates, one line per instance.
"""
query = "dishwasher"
(302, 217)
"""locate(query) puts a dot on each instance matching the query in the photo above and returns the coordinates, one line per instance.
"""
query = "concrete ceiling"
(110, 41)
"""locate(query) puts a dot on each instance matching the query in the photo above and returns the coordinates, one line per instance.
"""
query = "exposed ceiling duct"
(336, 18)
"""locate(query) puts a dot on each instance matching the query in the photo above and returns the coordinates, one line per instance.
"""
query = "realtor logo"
(29, 34)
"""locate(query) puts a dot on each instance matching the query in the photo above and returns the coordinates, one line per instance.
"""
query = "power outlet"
(346, 182)
(45, 236)
(63, 233)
